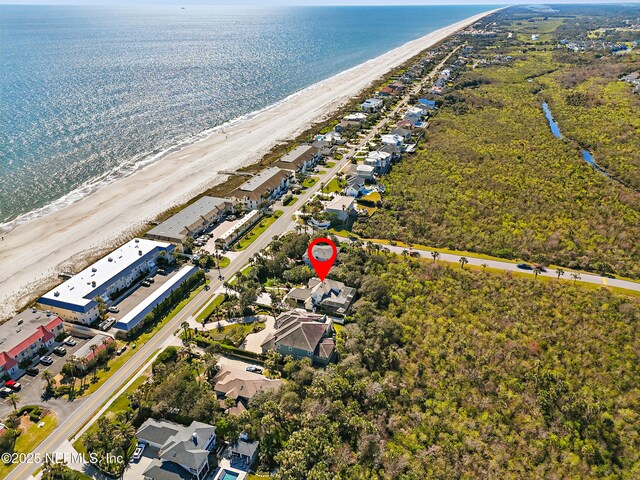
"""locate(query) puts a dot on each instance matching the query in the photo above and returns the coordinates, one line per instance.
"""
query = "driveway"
(253, 341)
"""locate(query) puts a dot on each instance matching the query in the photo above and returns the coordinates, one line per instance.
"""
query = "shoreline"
(93, 225)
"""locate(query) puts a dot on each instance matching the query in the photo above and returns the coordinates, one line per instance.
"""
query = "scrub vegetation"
(491, 178)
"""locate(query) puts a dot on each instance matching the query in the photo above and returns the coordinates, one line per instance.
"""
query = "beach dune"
(33, 253)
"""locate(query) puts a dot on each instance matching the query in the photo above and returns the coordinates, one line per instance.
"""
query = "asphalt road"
(513, 267)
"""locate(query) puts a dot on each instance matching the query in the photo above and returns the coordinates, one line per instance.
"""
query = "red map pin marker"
(322, 267)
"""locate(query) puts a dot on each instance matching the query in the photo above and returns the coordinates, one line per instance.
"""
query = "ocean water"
(90, 94)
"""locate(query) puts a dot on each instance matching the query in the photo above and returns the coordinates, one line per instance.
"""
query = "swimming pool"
(229, 476)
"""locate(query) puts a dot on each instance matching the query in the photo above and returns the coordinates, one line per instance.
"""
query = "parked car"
(5, 392)
(524, 266)
(162, 271)
(60, 351)
(70, 342)
(137, 454)
(113, 310)
(32, 371)
(149, 279)
(145, 283)
(121, 350)
(46, 360)
(106, 325)
(253, 369)
(13, 385)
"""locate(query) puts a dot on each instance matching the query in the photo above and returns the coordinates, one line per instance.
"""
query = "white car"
(113, 309)
(137, 454)
(70, 342)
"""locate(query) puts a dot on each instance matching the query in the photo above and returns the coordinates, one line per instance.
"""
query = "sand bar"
(33, 253)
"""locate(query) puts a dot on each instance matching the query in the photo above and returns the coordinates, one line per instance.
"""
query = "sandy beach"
(33, 253)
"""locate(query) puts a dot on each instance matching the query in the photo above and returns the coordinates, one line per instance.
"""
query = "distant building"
(300, 159)
(356, 117)
(379, 160)
(329, 296)
(302, 334)
(226, 238)
(76, 299)
(372, 105)
(183, 452)
(267, 185)
(430, 104)
(402, 132)
(191, 221)
(355, 186)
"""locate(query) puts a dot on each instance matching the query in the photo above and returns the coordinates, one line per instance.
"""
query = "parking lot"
(132, 298)
(33, 386)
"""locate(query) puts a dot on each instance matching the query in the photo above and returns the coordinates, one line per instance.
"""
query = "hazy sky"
(294, 2)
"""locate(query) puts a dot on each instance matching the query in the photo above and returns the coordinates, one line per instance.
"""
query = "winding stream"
(555, 129)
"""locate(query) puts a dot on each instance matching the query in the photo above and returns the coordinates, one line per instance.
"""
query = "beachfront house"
(394, 152)
(182, 452)
(356, 117)
(302, 334)
(348, 125)
(76, 299)
(300, 159)
(372, 105)
(386, 92)
(267, 185)
(242, 389)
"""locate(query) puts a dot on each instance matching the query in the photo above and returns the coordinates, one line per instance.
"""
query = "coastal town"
(220, 292)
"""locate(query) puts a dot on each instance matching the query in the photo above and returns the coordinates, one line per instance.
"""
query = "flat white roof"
(80, 289)
(364, 168)
(134, 313)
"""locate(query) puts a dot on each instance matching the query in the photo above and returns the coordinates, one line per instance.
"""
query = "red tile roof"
(100, 346)
(42, 333)
(6, 362)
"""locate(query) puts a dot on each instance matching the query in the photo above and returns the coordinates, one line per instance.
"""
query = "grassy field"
(332, 186)
(251, 236)
(31, 437)
(309, 182)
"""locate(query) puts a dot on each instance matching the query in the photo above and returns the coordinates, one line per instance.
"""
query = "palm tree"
(575, 276)
(463, 261)
(14, 398)
(537, 271)
(559, 272)
(47, 376)
(435, 256)
(185, 328)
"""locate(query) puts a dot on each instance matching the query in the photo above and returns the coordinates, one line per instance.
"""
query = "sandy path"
(32, 253)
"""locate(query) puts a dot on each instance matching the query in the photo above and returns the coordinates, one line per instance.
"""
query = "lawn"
(224, 262)
(332, 186)
(210, 308)
(290, 201)
(309, 182)
(257, 230)
(30, 437)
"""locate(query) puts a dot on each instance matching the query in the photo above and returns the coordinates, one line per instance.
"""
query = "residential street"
(512, 267)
